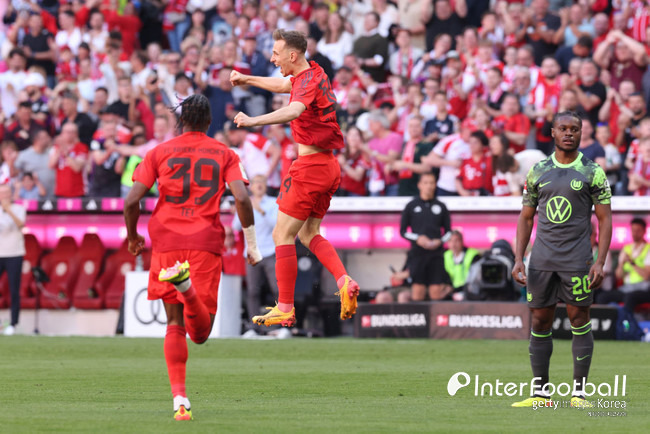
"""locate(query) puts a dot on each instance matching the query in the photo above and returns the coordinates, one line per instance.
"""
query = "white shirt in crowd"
(13, 243)
(450, 148)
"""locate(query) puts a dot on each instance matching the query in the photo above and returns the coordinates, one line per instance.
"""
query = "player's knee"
(541, 324)
(305, 237)
(307, 234)
(199, 339)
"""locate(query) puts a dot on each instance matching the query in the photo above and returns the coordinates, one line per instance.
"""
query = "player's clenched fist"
(237, 78)
(242, 120)
(136, 245)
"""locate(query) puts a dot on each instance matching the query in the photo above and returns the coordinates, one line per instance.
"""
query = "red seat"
(89, 262)
(643, 307)
(60, 266)
(33, 252)
(112, 281)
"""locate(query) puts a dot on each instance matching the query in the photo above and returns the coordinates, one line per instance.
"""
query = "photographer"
(12, 250)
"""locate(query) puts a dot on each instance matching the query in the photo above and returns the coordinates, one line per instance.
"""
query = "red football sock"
(197, 317)
(176, 358)
(286, 272)
(327, 255)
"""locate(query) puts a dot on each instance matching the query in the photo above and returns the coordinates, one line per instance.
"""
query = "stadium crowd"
(464, 88)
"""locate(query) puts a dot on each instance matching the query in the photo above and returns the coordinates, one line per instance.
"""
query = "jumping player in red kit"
(313, 178)
(192, 171)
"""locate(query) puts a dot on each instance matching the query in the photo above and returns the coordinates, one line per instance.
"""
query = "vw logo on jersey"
(436, 209)
(417, 209)
(576, 184)
(558, 209)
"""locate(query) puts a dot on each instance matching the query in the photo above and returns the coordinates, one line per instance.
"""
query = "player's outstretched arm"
(280, 116)
(524, 230)
(272, 84)
(131, 216)
(247, 219)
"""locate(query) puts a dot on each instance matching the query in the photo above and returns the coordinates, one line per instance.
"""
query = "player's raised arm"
(280, 116)
(247, 219)
(272, 84)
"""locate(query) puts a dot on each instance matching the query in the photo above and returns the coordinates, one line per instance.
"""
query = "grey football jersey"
(563, 195)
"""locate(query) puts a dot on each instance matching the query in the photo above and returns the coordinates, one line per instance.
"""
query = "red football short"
(205, 272)
(308, 188)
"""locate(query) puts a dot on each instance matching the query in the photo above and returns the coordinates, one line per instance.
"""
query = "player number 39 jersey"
(192, 172)
(563, 195)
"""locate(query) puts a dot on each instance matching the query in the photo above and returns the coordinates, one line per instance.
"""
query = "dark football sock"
(582, 348)
(540, 350)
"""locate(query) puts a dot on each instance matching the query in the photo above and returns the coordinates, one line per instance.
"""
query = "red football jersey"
(192, 171)
(476, 174)
(68, 182)
(316, 126)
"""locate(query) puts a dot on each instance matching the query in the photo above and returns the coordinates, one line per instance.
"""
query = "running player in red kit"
(192, 171)
(313, 178)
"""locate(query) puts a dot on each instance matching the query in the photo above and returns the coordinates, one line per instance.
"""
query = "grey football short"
(546, 288)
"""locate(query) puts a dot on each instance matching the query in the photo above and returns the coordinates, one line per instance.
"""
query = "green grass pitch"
(96, 385)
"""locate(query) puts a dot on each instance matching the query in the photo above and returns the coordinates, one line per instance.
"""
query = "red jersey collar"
(312, 65)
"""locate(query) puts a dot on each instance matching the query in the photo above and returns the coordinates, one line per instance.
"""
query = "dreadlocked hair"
(195, 113)
(567, 114)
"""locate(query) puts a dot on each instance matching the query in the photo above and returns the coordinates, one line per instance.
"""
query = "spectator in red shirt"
(601, 28)
(623, 57)
(68, 157)
(545, 97)
(615, 104)
(67, 67)
(354, 165)
(475, 173)
(512, 123)
(128, 25)
(639, 176)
